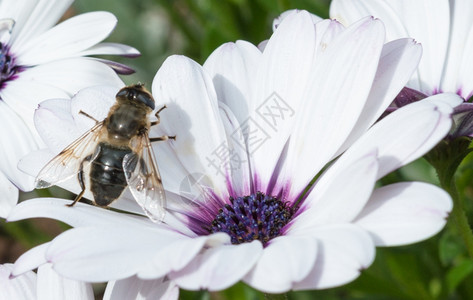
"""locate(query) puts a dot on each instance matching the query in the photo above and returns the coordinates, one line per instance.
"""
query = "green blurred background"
(435, 269)
(192, 28)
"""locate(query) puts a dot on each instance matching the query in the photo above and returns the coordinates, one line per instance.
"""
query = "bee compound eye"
(146, 99)
(122, 93)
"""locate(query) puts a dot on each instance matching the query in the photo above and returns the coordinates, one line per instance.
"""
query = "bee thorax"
(125, 122)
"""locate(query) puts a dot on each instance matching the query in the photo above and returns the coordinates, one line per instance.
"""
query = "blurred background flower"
(444, 28)
(40, 60)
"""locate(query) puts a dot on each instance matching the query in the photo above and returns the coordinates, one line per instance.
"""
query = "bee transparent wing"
(144, 180)
(67, 163)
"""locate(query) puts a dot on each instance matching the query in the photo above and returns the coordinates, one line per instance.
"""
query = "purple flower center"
(7, 65)
(255, 217)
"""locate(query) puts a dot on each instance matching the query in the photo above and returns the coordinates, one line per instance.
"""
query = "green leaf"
(450, 247)
(457, 274)
(410, 275)
(193, 295)
(241, 291)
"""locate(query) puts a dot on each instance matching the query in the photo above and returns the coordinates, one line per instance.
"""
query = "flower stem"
(459, 218)
(445, 158)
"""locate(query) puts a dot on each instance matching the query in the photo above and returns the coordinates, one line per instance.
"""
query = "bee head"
(136, 93)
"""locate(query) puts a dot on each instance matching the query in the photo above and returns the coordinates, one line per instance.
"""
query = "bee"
(118, 151)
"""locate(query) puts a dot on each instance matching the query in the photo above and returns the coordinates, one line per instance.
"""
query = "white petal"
(459, 48)
(176, 178)
(406, 134)
(192, 115)
(52, 286)
(95, 101)
(429, 23)
(218, 268)
(111, 49)
(239, 161)
(19, 11)
(459, 61)
(465, 85)
(339, 195)
(23, 287)
(17, 141)
(350, 11)
(404, 213)
(9, 194)
(325, 32)
(232, 67)
(397, 63)
(111, 252)
(30, 260)
(281, 79)
(424, 20)
(72, 75)
(45, 14)
(139, 289)
(284, 261)
(23, 97)
(336, 95)
(79, 215)
(282, 16)
(175, 220)
(49, 114)
(344, 251)
(177, 255)
(66, 39)
(34, 161)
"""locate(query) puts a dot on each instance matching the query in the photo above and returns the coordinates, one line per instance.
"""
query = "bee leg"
(88, 116)
(80, 177)
(157, 115)
(163, 138)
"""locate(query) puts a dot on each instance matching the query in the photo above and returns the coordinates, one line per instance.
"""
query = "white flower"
(445, 30)
(235, 210)
(47, 284)
(40, 61)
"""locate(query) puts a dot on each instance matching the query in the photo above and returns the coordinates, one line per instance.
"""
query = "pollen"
(255, 217)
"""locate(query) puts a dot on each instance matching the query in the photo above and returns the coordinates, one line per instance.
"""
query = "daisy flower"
(40, 60)
(47, 284)
(252, 130)
(444, 28)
